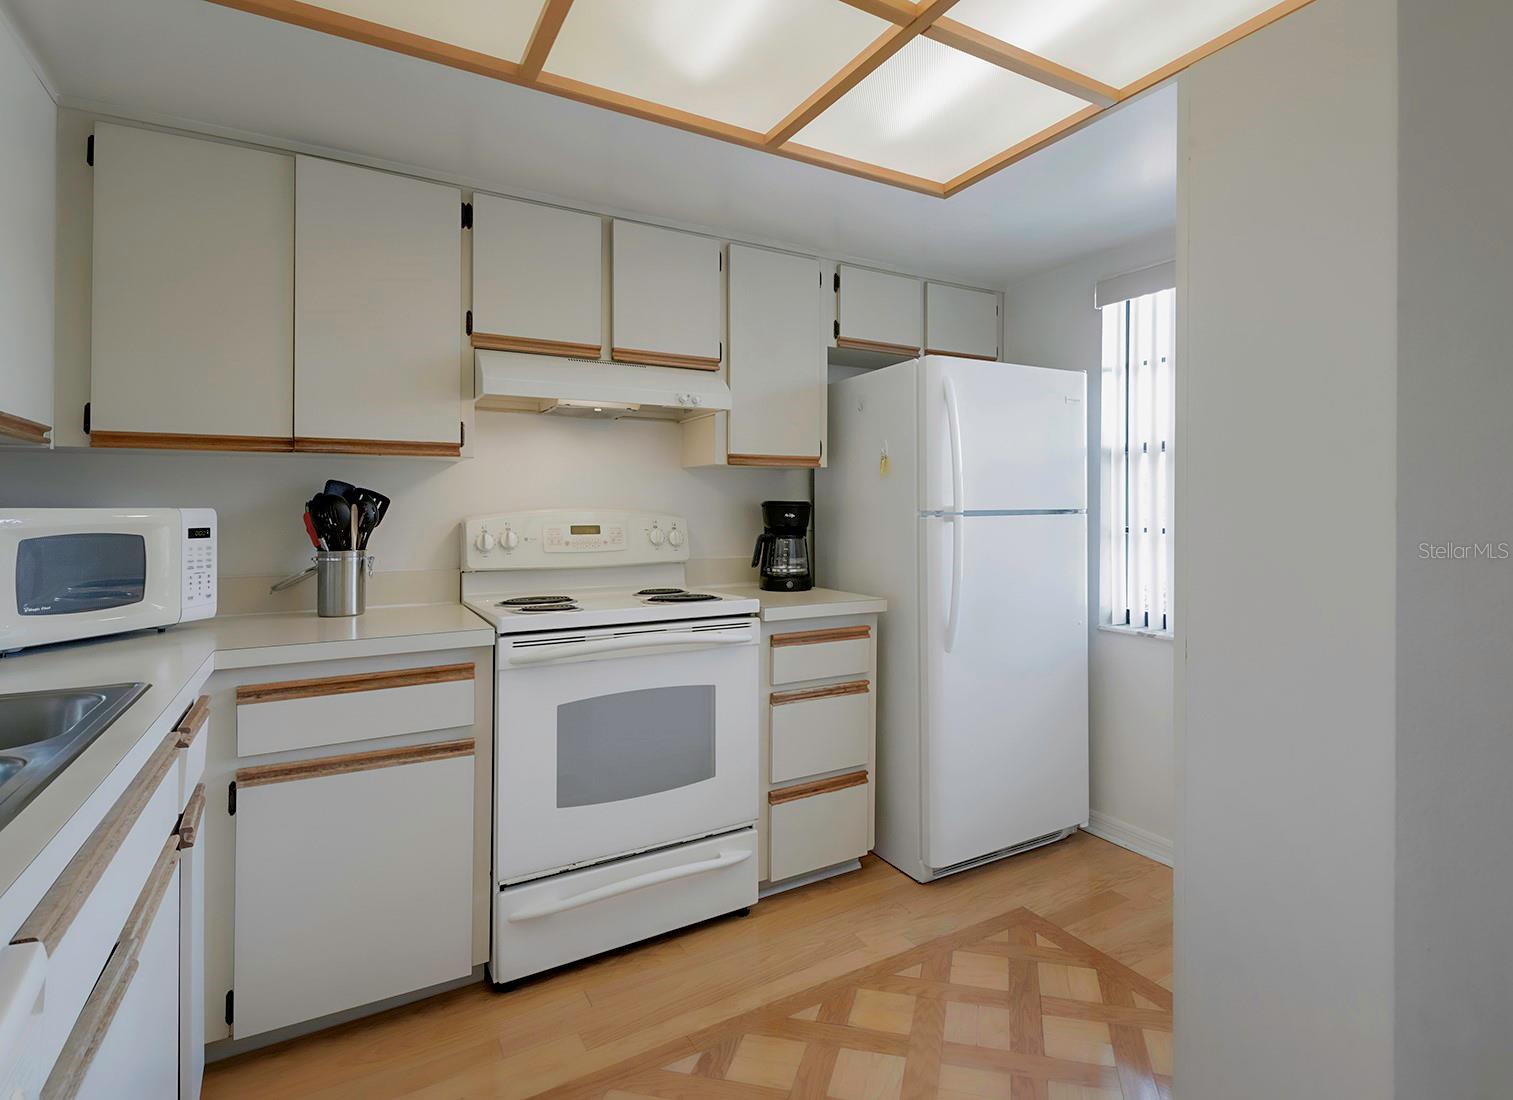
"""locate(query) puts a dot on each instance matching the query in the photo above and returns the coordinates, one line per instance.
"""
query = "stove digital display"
(583, 529)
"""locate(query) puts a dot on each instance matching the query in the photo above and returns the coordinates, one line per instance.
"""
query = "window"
(1138, 417)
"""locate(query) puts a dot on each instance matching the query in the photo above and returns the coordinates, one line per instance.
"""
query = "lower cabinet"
(192, 947)
(354, 881)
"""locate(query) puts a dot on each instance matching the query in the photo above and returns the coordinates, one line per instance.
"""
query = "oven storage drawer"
(815, 825)
(821, 654)
(363, 706)
(820, 730)
(550, 921)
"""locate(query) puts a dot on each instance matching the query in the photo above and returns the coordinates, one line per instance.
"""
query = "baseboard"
(1140, 841)
(813, 876)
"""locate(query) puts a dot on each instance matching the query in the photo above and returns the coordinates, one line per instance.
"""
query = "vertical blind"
(1138, 417)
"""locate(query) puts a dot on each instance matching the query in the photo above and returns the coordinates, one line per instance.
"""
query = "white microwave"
(83, 572)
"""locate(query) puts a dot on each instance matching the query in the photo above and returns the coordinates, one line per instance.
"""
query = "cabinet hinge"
(462, 433)
(837, 330)
(230, 1015)
(86, 418)
(89, 151)
(467, 215)
(722, 351)
(721, 254)
(469, 322)
(837, 282)
(231, 798)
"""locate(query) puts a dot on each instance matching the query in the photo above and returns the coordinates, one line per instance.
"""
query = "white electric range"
(625, 785)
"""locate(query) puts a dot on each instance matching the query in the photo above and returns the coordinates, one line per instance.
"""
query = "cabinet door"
(28, 134)
(378, 315)
(777, 359)
(538, 273)
(354, 881)
(193, 309)
(961, 322)
(666, 297)
(876, 311)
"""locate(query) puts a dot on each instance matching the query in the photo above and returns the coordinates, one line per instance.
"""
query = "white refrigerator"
(957, 489)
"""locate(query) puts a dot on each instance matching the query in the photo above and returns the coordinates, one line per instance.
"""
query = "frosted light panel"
(933, 112)
(1115, 41)
(745, 62)
(499, 28)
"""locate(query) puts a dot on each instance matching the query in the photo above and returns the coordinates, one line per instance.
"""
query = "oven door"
(617, 740)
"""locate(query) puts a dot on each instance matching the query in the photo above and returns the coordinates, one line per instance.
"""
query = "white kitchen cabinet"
(666, 297)
(192, 947)
(193, 299)
(878, 311)
(354, 881)
(378, 314)
(538, 278)
(961, 322)
(777, 359)
(28, 202)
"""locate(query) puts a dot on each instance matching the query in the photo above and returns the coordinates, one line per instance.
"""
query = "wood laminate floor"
(663, 996)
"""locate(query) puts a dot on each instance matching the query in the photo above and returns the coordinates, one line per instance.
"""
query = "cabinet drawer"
(816, 825)
(821, 654)
(334, 710)
(820, 730)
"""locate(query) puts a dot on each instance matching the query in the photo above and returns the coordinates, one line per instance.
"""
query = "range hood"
(514, 382)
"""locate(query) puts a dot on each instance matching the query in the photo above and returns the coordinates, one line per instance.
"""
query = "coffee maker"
(782, 550)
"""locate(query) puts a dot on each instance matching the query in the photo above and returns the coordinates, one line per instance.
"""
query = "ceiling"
(203, 66)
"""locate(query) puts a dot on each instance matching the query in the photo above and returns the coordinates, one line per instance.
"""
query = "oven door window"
(74, 574)
(634, 743)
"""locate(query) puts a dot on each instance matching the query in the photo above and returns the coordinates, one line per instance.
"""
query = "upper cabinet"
(665, 288)
(378, 317)
(28, 129)
(538, 272)
(777, 359)
(877, 311)
(193, 319)
(961, 322)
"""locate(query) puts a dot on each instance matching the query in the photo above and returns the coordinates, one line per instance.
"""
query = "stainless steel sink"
(41, 732)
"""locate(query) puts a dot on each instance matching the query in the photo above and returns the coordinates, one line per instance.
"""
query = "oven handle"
(640, 882)
(563, 651)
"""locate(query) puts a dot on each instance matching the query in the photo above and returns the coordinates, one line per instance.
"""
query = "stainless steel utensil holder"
(341, 582)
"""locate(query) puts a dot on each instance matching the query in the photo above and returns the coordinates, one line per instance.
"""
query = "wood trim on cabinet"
(875, 345)
(172, 441)
(490, 341)
(815, 637)
(411, 447)
(851, 687)
(819, 786)
(995, 51)
(805, 461)
(50, 921)
(345, 685)
(264, 774)
(664, 359)
(193, 721)
(104, 1001)
(189, 822)
(23, 430)
(962, 354)
(543, 37)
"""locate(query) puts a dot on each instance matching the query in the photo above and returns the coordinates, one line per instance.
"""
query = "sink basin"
(41, 732)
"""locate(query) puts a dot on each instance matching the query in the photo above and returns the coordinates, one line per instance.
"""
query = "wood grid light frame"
(927, 18)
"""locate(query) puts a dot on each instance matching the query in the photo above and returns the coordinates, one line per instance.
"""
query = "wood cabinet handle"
(55, 913)
(263, 774)
(193, 721)
(346, 685)
(816, 637)
(189, 823)
(830, 691)
(819, 786)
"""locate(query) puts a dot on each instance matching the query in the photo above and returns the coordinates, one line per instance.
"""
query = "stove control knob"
(509, 540)
(485, 541)
(656, 535)
(675, 537)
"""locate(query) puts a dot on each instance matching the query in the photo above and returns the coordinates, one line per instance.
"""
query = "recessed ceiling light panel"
(499, 28)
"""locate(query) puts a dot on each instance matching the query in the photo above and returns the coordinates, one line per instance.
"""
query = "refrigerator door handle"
(953, 422)
(958, 560)
(958, 502)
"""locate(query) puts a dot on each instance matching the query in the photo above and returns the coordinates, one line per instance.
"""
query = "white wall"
(1454, 982)
(1050, 321)
(1287, 397)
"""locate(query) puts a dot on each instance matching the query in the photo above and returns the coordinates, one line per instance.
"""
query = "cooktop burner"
(659, 591)
(532, 601)
(682, 597)
(539, 608)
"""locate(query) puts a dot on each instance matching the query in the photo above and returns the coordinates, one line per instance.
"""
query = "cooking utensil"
(310, 530)
(369, 520)
(333, 520)
(339, 488)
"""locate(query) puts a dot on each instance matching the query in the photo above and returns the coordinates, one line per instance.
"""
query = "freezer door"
(1005, 710)
(1001, 437)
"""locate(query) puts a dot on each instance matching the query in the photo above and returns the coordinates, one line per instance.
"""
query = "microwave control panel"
(197, 600)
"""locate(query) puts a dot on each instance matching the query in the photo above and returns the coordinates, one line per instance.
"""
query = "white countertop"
(817, 603)
(176, 663)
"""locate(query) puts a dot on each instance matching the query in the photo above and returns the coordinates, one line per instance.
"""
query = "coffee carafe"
(782, 549)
